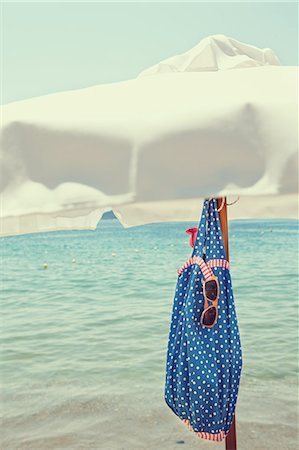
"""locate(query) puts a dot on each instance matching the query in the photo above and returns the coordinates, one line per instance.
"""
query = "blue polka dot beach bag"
(204, 356)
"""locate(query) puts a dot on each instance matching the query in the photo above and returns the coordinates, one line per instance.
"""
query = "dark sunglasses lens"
(209, 316)
(211, 289)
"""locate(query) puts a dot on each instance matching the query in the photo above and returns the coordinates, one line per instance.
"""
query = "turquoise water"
(89, 333)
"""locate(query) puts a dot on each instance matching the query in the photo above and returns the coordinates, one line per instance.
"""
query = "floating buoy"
(113, 254)
(45, 265)
(73, 260)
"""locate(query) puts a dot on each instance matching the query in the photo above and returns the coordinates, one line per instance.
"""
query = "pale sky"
(55, 46)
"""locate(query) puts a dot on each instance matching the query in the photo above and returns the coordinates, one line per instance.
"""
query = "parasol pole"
(230, 440)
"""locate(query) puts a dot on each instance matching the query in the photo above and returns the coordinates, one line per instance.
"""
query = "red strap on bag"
(193, 234)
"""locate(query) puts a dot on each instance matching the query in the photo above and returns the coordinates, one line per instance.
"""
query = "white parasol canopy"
(221, 119)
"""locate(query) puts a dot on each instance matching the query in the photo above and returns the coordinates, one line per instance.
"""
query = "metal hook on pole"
(234, 202)
(223, 202)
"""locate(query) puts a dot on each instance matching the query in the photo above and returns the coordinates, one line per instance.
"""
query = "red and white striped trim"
(218, 437)
(205, 268)
(207, 272)
(219, 263)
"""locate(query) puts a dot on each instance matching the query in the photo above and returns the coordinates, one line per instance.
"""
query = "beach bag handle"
(205, 239)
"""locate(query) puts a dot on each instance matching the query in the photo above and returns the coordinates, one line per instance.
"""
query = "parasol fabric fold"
(219, 120)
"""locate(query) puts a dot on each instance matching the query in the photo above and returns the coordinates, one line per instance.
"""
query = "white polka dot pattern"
(204, 364)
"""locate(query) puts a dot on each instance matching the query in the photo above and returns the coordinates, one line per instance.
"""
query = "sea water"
(85, 322)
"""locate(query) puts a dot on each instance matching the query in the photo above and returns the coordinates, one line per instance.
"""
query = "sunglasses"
(209, 315)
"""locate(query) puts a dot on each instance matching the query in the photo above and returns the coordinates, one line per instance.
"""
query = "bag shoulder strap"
(209, 240)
